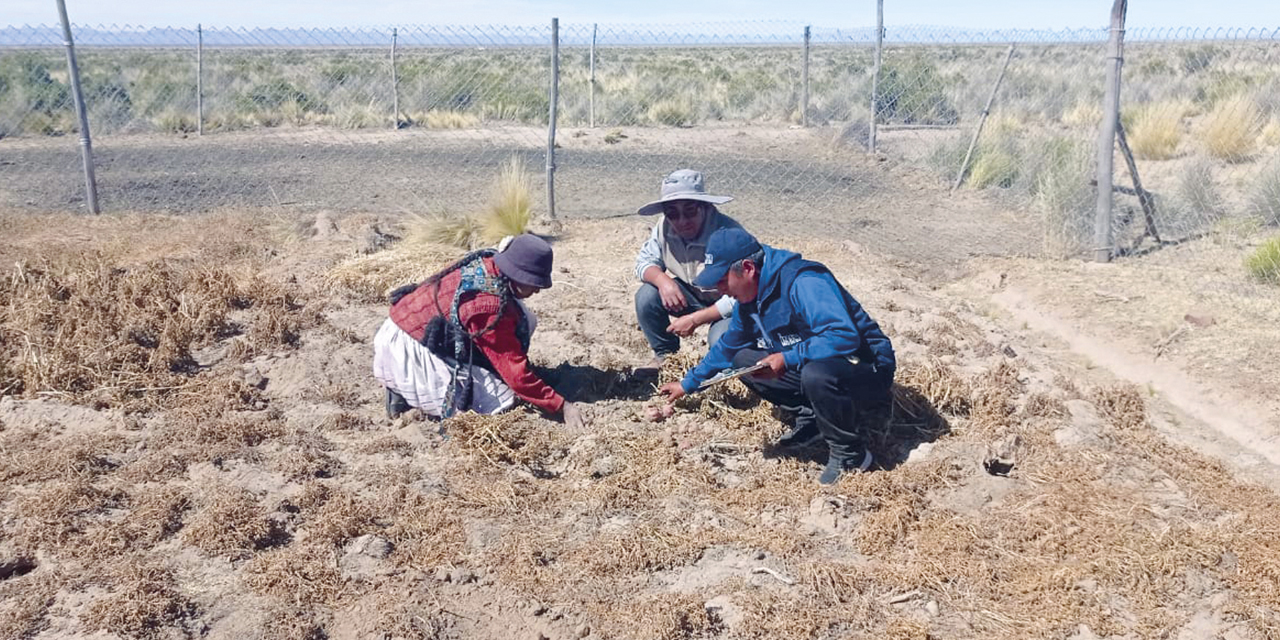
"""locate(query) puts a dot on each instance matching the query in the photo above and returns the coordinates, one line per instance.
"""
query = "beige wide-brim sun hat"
(684, 184)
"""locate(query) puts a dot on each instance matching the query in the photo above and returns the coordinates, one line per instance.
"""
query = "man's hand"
(684, 325)
(775, 366)
(672, 297)
(672, 390)
(573, 416)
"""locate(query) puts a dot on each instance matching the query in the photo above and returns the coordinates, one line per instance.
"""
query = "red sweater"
(499, 344)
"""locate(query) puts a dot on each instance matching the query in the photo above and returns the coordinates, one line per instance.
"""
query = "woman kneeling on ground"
(459, 340)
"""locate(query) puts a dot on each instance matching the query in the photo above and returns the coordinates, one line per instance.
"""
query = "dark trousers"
(837, 395)
(654, 318)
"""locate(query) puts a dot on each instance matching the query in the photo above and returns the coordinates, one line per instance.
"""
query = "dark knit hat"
(526, 260)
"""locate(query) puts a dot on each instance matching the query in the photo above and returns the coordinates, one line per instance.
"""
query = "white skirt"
(406, 366)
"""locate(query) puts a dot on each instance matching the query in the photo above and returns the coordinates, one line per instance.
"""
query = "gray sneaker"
(838, 465)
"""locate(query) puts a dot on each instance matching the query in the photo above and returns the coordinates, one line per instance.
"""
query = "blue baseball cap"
(724, 247)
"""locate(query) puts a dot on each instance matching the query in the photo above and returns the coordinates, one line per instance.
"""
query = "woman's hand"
(573, 416)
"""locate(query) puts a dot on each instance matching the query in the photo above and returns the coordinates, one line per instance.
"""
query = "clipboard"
(730, 374)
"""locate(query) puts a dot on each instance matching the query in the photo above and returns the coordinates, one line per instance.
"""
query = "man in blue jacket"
(824, 358)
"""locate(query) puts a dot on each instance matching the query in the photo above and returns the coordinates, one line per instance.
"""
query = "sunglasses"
(674, 215)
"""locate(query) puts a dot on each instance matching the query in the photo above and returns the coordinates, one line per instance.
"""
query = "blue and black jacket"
(802, 312)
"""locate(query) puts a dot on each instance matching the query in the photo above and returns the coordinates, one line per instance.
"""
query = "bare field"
(194, 447)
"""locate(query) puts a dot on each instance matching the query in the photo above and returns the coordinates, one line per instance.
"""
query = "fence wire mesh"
(416, 118)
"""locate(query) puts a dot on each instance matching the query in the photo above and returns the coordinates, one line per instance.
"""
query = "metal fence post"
(199, 80)
(875, 78)
(86, 143)
(593, 77)
(804, 74)
(551, 123)
(986, 111)
(395, 84)
(1102, 235)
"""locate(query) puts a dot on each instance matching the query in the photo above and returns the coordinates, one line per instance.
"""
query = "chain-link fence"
(420, 118)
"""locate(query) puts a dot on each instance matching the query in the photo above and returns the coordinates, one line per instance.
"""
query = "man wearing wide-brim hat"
(825, 360)
(668, 305)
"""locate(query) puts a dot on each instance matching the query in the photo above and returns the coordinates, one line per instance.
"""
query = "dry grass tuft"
(426, 531)
(302, 573)
(445, 119)
(370, 278)
(85, 456)
(1044, 405)
(659, 617)
(937, 384)
(145, 602)
(511, 438)
(508, 213)
(56, 515)
(97, 331)
(993, 396)
(1157, 129)
(25, 601)
(1231, 129)
(341, 518)
(444, 228)
(230, 522)
(1122, 405)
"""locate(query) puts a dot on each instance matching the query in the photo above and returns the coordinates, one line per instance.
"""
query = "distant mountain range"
(743, 33)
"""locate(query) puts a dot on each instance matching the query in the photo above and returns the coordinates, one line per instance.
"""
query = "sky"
(971, 14)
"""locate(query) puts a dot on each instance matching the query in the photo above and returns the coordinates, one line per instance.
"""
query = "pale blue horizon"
(991, 14)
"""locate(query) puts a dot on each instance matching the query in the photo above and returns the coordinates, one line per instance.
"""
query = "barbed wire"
(324, 118)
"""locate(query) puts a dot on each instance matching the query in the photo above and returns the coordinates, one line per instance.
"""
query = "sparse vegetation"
(1264, 263)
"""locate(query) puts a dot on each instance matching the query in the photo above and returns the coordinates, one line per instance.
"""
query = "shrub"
(1197, 59)
(1156, 130)
(911, 91)
(1063, 194)
(1264, 263)
(1270, 135)
(1231, 128)
(174, 121)
(672, 112)
(1264, 202)
(1197, 189)
(1085, 113)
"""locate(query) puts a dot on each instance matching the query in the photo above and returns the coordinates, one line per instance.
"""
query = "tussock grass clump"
(1231, 129)
(445, 228)
(1198, 190)
(144, 601)
(1157, 130)
(446, 119)
(229, 522)
(1264, 263)
(508, 213)
(1264, 200)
